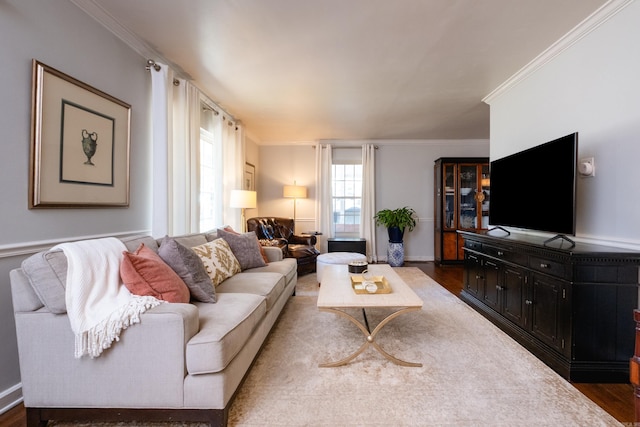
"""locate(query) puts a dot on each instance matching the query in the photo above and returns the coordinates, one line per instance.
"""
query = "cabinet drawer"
(473, 245)
(544, 265)
(506, 254)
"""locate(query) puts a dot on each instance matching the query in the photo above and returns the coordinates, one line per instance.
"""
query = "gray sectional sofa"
(183, 361)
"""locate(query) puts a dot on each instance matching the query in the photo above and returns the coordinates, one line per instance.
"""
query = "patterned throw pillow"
(218, 260)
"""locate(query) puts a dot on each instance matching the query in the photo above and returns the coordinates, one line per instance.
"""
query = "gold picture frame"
(249, 177)
(80, 141)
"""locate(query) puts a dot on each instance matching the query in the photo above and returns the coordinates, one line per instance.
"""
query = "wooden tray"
(380, 281)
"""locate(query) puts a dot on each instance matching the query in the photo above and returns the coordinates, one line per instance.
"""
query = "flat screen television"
(535, 189)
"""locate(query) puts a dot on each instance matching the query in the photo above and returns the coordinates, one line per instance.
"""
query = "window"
(347, 199)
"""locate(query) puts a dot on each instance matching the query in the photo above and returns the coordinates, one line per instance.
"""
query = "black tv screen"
(535, 189)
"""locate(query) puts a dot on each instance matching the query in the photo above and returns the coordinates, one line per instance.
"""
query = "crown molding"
(589, 24)
(96, 12)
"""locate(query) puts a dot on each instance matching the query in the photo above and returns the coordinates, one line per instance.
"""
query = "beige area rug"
(473, 374)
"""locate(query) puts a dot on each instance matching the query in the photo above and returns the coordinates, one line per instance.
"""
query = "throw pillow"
(189, 267)
(245, 247)
(260, 245)
(145, 273)
(218, 260)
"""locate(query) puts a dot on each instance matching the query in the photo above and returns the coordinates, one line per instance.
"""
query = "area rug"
(472, 375)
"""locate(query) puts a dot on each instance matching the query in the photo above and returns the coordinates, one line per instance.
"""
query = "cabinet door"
(467, 204)
(513, 287)
(473, 274)
(449, 199)
(547, 312)
(492, 288)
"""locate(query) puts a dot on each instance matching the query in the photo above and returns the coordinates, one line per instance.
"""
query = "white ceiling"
(302, 70)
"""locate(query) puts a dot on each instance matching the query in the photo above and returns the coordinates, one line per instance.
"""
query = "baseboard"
(10, 398)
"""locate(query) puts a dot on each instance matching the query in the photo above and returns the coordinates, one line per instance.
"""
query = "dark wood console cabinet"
(571, 307)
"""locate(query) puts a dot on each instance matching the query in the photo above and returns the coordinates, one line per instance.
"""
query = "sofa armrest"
(273, 253)
(148, 361)
(307, 239)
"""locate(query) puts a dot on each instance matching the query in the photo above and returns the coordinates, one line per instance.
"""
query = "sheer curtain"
(176, 121)
(233, 169)
(324, 201)
(367, 223)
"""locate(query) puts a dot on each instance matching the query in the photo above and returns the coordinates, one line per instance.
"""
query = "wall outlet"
(587, 167)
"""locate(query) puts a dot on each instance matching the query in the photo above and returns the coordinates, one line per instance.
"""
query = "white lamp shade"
(295, 192)
(243, 199)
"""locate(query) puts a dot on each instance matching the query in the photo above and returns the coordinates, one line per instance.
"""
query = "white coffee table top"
(336, 290)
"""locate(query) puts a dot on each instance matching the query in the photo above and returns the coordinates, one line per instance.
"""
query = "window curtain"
(233, 169)
(161, 119)
(183, 165)
(324, 201)
(212, 123)
(367, 223)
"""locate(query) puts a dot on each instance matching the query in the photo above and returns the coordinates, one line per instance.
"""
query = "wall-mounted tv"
(535, 189)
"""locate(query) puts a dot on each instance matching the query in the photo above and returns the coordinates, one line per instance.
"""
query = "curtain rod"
(152, 64)
(346, 146)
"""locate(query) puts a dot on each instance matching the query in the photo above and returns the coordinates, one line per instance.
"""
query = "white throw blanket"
(99, 306)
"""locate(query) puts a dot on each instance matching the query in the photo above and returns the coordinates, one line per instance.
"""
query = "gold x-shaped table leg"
(370, 337)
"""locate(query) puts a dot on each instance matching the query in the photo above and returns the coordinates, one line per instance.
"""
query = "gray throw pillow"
(188, 265)
(245, 247)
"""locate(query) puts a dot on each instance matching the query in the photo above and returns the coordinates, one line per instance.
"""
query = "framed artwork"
(249, 177)
(80, 140)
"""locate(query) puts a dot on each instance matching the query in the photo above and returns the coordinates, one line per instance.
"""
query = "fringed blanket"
(99, 306)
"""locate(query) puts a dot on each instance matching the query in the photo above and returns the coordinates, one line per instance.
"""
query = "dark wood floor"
(616, 399)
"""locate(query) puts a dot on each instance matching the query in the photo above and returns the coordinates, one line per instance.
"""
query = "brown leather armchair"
(274, 231)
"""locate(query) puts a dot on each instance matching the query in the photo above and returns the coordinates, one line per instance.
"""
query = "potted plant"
(396, 220)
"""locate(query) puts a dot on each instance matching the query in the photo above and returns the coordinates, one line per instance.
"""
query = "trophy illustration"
(89, 145)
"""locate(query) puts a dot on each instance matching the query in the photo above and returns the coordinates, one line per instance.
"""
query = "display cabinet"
(462, 193)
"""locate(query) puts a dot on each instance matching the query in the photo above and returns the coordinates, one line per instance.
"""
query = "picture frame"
(80, 143)
(249, 177)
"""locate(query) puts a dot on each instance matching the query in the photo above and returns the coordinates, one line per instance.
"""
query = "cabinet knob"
(544, 265)
(478, 277)
(500, 253)
(499, 288)
(528, 302)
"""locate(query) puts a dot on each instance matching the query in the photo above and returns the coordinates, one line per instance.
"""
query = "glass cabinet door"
(449, 196)
(485, 195)
(468, 179)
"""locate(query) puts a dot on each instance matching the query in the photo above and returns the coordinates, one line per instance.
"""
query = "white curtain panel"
(183, 167)
(367, 223)
(324, 201)
(214, 126)
(233, 169)
(161, 111)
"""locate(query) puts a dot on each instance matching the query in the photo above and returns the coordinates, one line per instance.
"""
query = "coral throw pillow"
(145, 273)
(218, 260)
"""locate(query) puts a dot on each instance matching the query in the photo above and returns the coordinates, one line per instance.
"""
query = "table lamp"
(243, 199)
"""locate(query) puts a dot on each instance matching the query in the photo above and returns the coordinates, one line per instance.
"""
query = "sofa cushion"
(286, 267)
(191, 240)
(225, 327)
(189, 267)
(245, 247)
(47, 274)
(268, 285)
(145, 273)
(218, 260)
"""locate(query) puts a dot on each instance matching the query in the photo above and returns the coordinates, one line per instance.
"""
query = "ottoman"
(333, 258)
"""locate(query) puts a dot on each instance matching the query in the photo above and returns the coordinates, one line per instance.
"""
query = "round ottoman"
(336, 258)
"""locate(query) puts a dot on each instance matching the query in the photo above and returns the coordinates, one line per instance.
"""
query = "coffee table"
(336, 294)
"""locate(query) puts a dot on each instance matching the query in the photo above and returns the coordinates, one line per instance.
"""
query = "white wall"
(60, 35)
(593, 87)
(404, 177)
